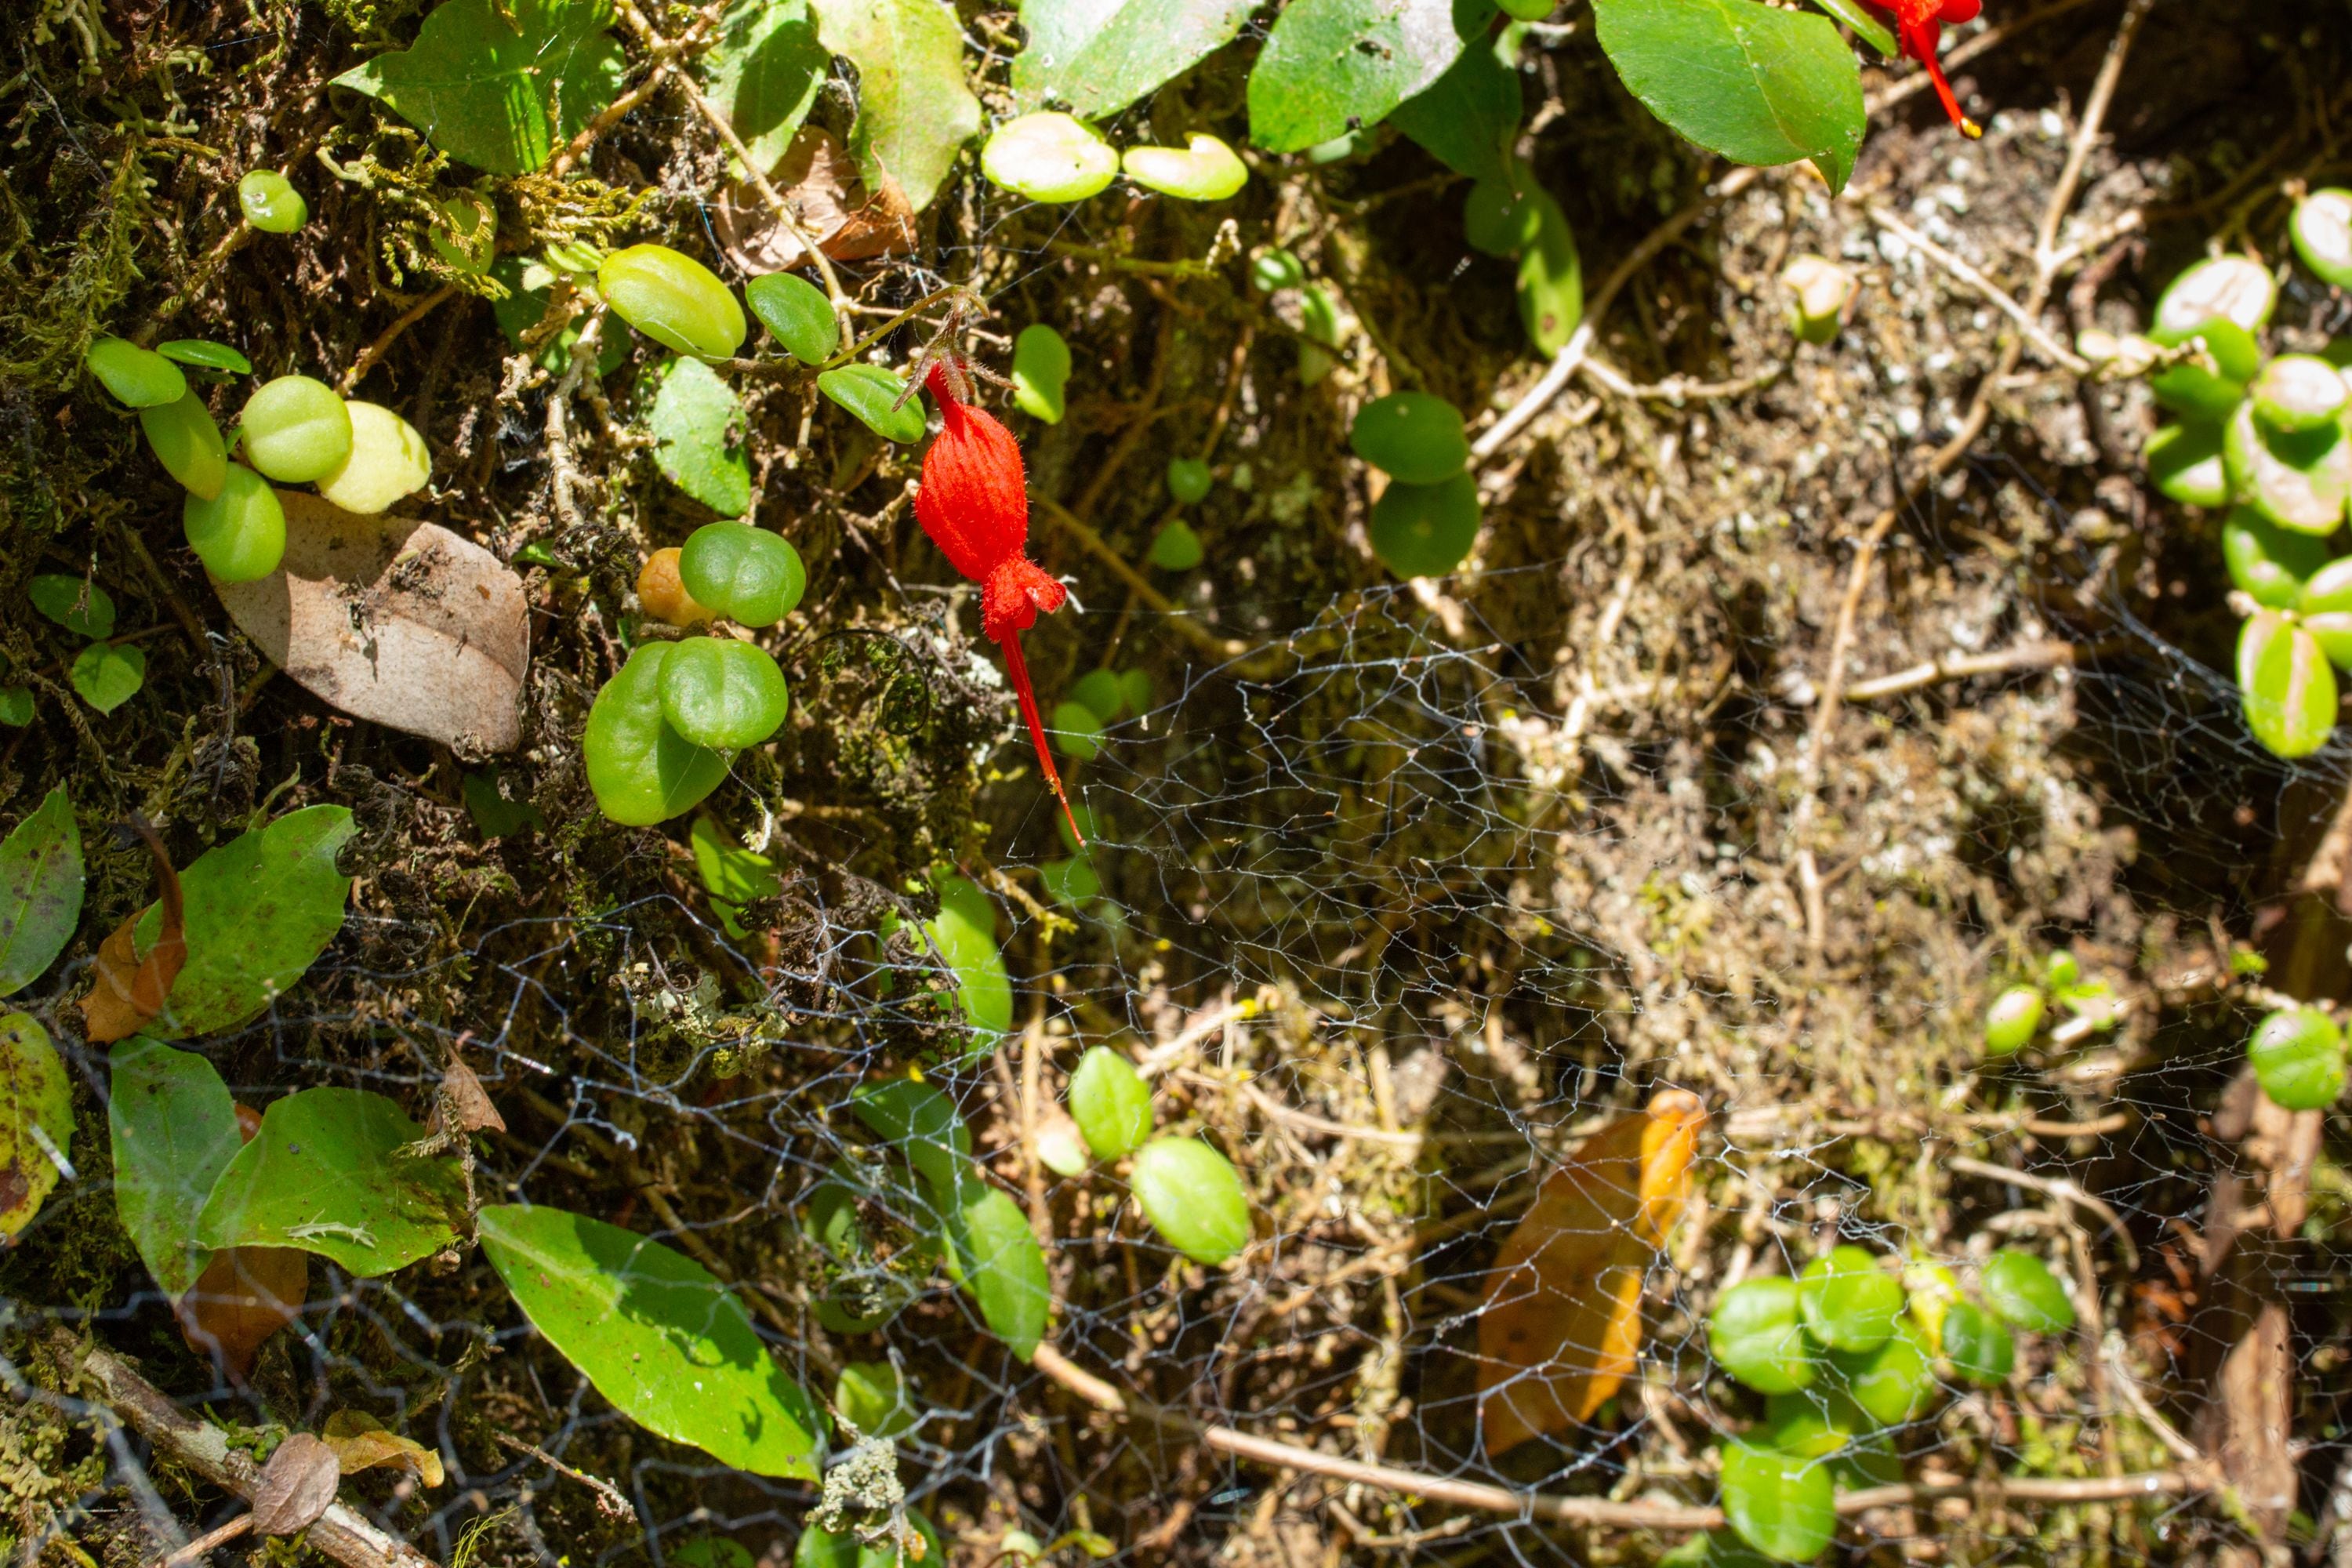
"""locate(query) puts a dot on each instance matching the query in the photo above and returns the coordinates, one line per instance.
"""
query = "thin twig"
(2050, 655)
(2060, 1187)
(2053, 351)
(392, 334)
(608, 1496)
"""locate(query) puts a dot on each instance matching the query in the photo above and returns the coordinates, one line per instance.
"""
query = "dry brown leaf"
(465, 1100)
(1562, 1325)
(362, 1443)
(296, 1486)
(129, 988)
(819, 178)
(395, 621)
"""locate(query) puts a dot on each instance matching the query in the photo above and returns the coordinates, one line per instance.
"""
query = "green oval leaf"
(1110, 1103)
(204, 352)
(36, 1119)
(2185, 462)
(994, 1256)
(1756, 1332)
(764, 68)
(2020, 1289)
(74, 602)
(1193, 1197)
(2297, 1054)
(1784, 1505)
(745, 573)
(722, 693)
(1176, 548)
(873, 1397)
(1756, 85)
(1041, 371)
(1850, 1302)
(40, 890)
(2322, 230)
(174, 1130)
(2012, 1019)
(914, 111)
(1977, 1344)
(324, 1174)
(2299, 479)
(797, 312)
(107, 675)
(139, 378)
(642, 771)
(1892, 1383)
(923, 1125)
(500, 85)
(869, 391)
(1099, 56)
(188, 444)
(698, 427)
(1411, 435)
(1425, 530)
(1331, 65)
(1551, 275)
(260, 908)
(669, 1346)
(2288, 689)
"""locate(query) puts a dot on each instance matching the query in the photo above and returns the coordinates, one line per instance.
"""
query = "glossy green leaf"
(499, 86)
(1783, 1505)
(204, 352)
(2185, 463)
(2207, 386)
(324, 1174)
(1099, 56)
(2297, 1054)
(1496, 217)
(698, 427)
(270, 202)
(1411, 435)
(139, 378)
(722, 693)
(1756, 1332)
(1467, 118)
(732, 875)
(764, 68)
(187, 442)
(1331, 65)
(1977, 1344)
(2233, 288)
(1110, 1103)
(1892, 1383)
(798, 313)
(642, 771)
(2270, 564)
(2321, 229)
(2300, 480)
(873, 1398)
(259, 909)
(107, 677)
(1756, 85)
(2020, 1290)
(747, 574)
(914, 111)
(294, 429)
(76, 603)
(1849, 1301)
(1041, 371)
(669, 1346)
(35, 1121)
(40, 890)
(674, 299)
(389, 461)
(2295, 393)
(240, 534)
(174, 1130)
(1193, 1198)
(2012, 1019)
(1425, 530)
(1870, 28)
(2287, 689)
(984, 986)
(1048, 156)
(869, 391)
(1203, 170)
(922, 1124)
(1075, 730)
(1552, 276)
(994, 1256)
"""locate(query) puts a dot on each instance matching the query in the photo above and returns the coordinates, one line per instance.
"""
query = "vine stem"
(1552, 1508)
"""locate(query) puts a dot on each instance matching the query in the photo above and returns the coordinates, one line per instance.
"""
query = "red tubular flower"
(1920, 25)
(974, 503)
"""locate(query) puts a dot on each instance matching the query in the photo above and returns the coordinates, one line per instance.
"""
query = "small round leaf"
(1110, 1103)
(139, 378)
(2297, 1054)
(721, 693)
(1411, 437)
(1425, 530)
(1192, 1197)
(797, 312)
(1756, 1332)
(1977, 1344)
(1783, 1505)
(674, 299)
(1041, 371)
(869, 391)
(1850, 1302)
(2020, 1289)
(240, 534)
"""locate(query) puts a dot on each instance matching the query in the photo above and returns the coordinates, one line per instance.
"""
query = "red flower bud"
(974, 504)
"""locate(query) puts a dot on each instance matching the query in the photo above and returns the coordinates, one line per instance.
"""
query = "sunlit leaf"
(1096, 57)
(1757, 85)
(36, 1119)
(324, 1174)
(993, 1255)
(915, 111)
(1467, 118)
(1332, 66)
(698, 425)
(764, 68)
(1562, 1327)
(1782, 1504)
(662, 1339)
(499, 86)
(174, 1130)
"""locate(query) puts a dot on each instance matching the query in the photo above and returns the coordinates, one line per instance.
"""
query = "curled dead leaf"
(819, 178)
(130, 988)
(1561, 1329)
(296, 1486)
(362, 1442)
(395, 621)
(463, 1101)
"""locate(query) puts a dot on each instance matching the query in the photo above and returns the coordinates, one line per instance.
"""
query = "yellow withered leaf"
(1562, 1324)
